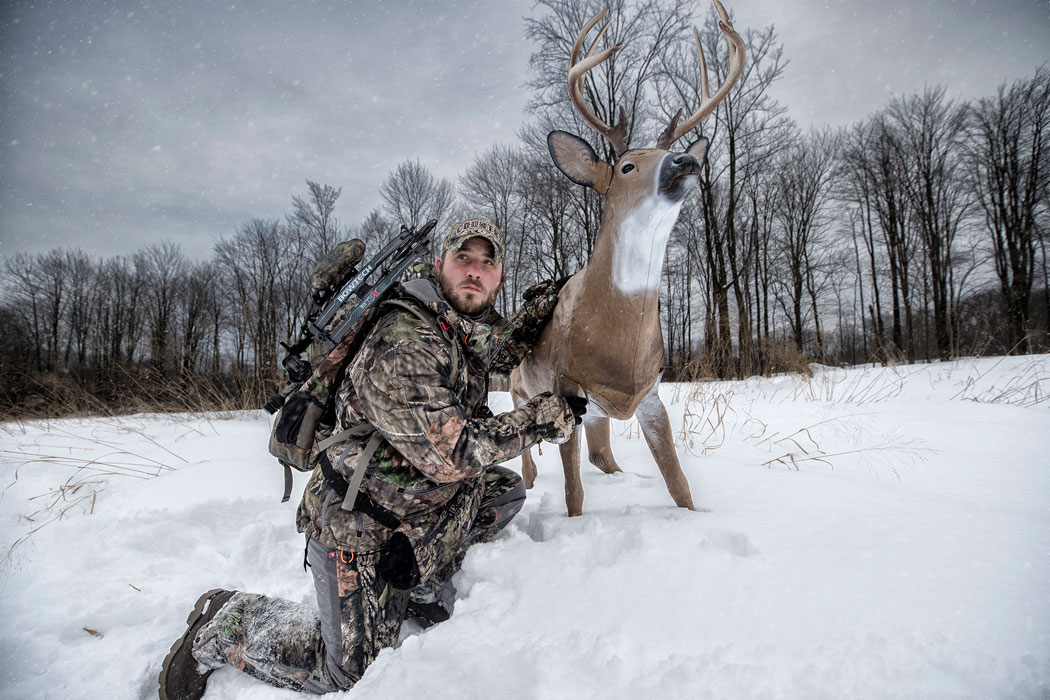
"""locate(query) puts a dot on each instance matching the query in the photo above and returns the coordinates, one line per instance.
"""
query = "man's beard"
(464, 302)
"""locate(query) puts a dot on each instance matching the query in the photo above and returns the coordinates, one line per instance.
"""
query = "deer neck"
(616, 343)
(629, 254)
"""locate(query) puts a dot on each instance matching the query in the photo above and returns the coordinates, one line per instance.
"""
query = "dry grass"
(785, 359)
(704, 419)
(855, 387)
(1029, 388)
(801, 446)
(716, 413)
(123, 391)
(120, 392)
(88, 476)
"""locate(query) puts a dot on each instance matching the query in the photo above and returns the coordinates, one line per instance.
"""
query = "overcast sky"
(128, 122)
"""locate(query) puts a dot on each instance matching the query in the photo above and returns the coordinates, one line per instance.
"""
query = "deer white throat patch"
(638, 257)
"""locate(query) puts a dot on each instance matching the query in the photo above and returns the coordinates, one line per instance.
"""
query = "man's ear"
(699, 149)
(437, 265)
(578, 161)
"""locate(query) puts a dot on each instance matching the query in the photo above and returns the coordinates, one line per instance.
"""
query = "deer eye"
(628, 167)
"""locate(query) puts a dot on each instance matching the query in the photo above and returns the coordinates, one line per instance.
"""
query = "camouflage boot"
(179, 678)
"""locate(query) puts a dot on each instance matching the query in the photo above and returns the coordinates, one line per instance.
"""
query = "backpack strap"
(361, 502)
(355, 431)
(352, 489)
(287, 482)
(359, 430)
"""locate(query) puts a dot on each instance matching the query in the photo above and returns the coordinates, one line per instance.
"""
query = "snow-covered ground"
(870, 533)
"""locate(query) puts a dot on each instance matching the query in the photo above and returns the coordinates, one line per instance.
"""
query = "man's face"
(470, 277)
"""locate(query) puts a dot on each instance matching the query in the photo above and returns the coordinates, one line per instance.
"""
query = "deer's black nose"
(686, 162)
(678, 175)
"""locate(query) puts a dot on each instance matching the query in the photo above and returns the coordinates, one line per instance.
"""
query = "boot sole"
(195, 614)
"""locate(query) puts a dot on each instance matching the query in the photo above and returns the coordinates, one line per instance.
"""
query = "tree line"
(917, 233)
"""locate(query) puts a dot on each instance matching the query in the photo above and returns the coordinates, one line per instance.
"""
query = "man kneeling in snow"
(420, 383)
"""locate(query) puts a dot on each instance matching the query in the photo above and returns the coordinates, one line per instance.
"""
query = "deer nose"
(686, 161)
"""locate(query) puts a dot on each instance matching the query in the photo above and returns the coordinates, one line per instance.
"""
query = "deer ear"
(698, 148)
(578, 161)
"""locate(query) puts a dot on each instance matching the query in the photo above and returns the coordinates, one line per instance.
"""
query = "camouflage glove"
(557, 416)
(540, 300)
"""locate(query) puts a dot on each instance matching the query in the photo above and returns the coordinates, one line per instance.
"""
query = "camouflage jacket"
(438, 436)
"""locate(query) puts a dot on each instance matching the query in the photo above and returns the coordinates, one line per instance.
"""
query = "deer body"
(604, 340)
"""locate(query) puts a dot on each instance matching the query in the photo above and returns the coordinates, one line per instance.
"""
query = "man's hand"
(547, 288)
(557, 416)
(540, 300)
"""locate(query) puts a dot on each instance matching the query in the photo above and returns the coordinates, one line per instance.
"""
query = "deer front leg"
(599, 451)
(528, 467)
(570, 462)
(656, 427)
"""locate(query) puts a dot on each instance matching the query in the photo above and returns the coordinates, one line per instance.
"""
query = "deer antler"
(615, 135)
(707, 101)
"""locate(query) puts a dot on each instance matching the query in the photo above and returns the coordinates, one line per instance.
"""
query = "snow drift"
(867, 533)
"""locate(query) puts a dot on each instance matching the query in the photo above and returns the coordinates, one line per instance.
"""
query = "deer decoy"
(604, 340)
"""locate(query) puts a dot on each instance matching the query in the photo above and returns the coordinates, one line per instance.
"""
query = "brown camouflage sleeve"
(406, 394)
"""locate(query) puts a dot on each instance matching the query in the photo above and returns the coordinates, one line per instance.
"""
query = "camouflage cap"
(478, 227)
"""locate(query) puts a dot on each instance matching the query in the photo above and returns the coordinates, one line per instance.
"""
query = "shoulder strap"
(350, 499)
(359, 430)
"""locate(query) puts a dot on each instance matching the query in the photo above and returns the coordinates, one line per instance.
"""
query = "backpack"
(346, 306)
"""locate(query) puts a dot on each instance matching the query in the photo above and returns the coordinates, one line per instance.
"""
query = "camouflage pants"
(289, 645)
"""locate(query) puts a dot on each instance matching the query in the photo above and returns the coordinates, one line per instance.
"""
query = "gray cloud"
(848, 58)
(130, 122)
(124, 123)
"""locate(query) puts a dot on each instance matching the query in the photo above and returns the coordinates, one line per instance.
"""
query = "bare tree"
(162, 270)
(803, 181)
(929, 129)
(645, 30)
(491, 184)
(24, 296)
(375, 230)
(316, 215)
(492, 187)
(1008, 159)
(871, 176)
(80, 278)
(38, 291)
(749, 130)
(197, 310)
(119, 324)
(17, 353)
(412, 196)
(254, 266)
(676, 307)
(129, 310)
(761, 207)
(551, 243)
